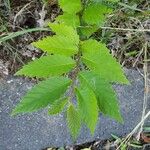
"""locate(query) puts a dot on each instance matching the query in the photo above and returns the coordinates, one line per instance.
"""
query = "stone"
(38, 130)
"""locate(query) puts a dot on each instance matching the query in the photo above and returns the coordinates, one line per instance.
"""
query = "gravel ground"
(38, 130)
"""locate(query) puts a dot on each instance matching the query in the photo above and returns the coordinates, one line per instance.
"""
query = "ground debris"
(3, 68)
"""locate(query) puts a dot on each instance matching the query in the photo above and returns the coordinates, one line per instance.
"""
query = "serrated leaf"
(71, 6)
(57, 45)
(43, 94)
(57, 107)
(48, 66)
(113, 1)
(106, 96)
(88, 31)
(64, 30)
(87, 107)
(97, 57)
(105, 0)
(68, 19)
(73, 121)
(94, 14)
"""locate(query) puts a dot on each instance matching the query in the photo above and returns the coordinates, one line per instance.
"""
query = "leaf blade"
(71, 6)
(47, 66)
(57, 45)
(73, 121)
(106, 96)
(43, 94)
(57, 107)
(87, 107)
(97, 57)
(95, 13)
(64, 30)
(68, 19)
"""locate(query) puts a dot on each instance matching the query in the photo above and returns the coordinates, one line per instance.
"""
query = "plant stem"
(78, 56)
(74, 76)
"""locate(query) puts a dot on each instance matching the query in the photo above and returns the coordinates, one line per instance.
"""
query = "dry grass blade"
(130, 7)
(144, 115)
(15, 34)
(146, 91)
(125, 141)
(126, 29)
(20, 12)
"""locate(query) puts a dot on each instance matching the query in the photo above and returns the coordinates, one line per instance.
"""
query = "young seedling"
(75, 67)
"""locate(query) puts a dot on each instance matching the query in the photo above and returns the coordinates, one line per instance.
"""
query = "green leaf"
(43, 94)
(103, 1)
(94, 14)
(87, 107)
(57, 107)
(97, 57)
(116, 137)
(65, 42)
(69, 19)
(71, 6)
(64, 30)
(88, 31)
(113, 1)
(73, 120)
(106, 97)
(57, 45)
(47, 66)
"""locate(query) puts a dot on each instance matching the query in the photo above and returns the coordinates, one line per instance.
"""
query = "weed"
(75, 66)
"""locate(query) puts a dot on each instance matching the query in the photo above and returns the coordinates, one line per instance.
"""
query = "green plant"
(124, 146)
(75, 66)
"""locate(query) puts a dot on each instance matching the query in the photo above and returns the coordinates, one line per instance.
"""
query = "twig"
(142, 74)
(135, 62)
(42, 14)
(126, 29)
(130, 7)
(74, 77)
(145, 68)
(20, 12)
(133, 131)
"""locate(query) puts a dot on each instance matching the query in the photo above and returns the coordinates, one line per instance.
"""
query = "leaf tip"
(120, 119)
(34, 44)
(18, 73)
(126, 81)
(13, 113)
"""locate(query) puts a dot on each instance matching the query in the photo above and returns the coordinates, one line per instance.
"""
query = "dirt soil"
(110, 144)
(23, 15)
